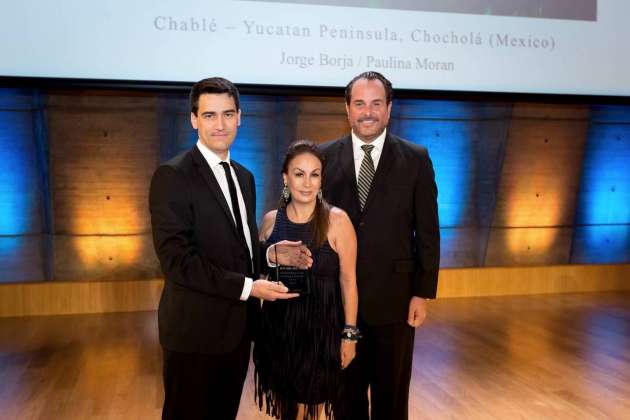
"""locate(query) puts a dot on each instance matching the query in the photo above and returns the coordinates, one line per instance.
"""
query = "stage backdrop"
(519, 183)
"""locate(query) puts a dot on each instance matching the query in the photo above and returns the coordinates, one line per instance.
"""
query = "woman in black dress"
(299, 353)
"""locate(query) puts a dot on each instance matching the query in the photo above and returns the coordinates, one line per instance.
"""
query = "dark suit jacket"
(397, 232)
(202, 257)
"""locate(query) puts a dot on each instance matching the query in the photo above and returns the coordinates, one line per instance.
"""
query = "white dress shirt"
(219, 173)
(359, 154)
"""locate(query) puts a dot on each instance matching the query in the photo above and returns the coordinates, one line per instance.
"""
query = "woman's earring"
(319, 195)
(286, 194)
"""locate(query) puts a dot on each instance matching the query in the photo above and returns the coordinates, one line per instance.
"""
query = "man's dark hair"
(212, 85)
(371, 75)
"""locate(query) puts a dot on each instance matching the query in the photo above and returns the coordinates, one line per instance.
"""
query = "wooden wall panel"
(267, 128)
(600, 244)
(21, 195)
(605, 178)
(491, 160)
(561, 112)
(105, 257)
(602, 233)
(174, 127)
(463, 247)
(48, 298)
(58, 297)
(23, 243)
(466, 142)
(102, 154)
(505, 281)
(528, 246)
(103, 151)
(466, 163)
(541, 170)
(539, 185)
(23, 258)
(322, 119)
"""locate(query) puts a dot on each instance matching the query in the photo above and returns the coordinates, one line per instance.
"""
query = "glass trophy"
(296, 279)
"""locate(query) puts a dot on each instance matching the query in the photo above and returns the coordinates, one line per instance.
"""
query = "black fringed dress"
(297, 349)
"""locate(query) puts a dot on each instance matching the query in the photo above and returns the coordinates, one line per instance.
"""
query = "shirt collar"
(377, 143)
(211, 157)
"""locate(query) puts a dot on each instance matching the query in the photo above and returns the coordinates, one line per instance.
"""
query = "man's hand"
(348, 351)
(294, 254)
(269, 290)
(417, 311)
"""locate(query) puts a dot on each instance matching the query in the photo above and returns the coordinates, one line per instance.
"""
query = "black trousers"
(383, 363)
(204, 386)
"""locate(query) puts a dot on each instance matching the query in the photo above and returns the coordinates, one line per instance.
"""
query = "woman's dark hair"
(319, 221)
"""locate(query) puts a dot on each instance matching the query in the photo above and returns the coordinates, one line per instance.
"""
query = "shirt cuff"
(269, 263)
(247, 288)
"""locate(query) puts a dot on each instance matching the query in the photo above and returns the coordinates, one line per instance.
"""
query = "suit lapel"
(384, 165)
(250, 208)
(248, 195)
(347, 166)
(208, 176)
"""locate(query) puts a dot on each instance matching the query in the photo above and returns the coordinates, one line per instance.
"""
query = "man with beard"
(387, 187)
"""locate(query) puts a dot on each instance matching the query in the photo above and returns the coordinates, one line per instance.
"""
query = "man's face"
(216, 122)
(368, 111)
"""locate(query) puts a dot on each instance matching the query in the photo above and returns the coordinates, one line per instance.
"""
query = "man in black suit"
(204, 230)
(387, 187)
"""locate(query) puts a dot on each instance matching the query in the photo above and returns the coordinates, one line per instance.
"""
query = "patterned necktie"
(366, 174)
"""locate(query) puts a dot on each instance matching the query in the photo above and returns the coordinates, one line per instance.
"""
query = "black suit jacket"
(398, 231)
(202, 257)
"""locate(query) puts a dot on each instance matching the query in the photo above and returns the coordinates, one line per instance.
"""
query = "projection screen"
(521, 46)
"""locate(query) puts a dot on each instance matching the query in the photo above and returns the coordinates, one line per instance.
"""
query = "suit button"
(361, 224)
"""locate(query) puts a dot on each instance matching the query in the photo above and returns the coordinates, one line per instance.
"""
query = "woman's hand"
(348, 351)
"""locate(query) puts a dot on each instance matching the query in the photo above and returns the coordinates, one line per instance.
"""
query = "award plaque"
(295, 279)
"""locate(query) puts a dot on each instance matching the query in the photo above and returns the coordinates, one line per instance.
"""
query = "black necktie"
(234, 198)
